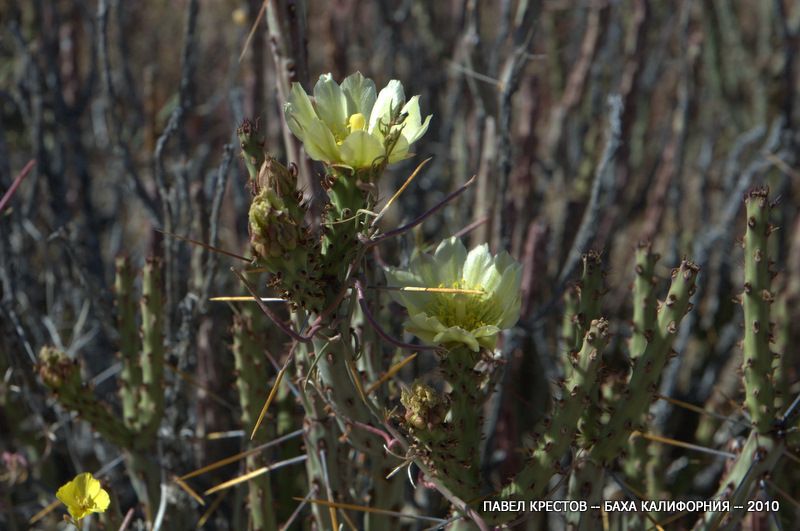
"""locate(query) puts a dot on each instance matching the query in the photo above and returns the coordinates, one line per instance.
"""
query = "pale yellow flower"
(83, 496)
(346, 124)
(474, 319)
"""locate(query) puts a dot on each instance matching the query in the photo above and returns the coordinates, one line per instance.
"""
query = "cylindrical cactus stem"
(644, 299)
(251, 379)
(319, 436)
(591, 292)
(337, 374)
(282, 242)
(532, 481)
(644, 321)
(756, 300)
(252, 143)
(782, 364)
(434, 440)
(130, 343)
(591, 289)
(151, 404)
(466, 419)
(648, 367)
(569, 329)
(63, 376)
(588, 291)
(757, 458)
(341, 221)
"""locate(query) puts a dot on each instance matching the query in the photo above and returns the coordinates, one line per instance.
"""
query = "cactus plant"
(141, 381)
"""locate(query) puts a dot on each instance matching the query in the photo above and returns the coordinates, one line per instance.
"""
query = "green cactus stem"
(285, 248)
(585, 304)
(251, 141)
(782, 363)
(559, 432)
(336, 372)
(591, 289)
(130, 343)
(644, 321)
(648, 367)
(151, 403)
(569, 331)
(762, 450)
(63, 376)
(341, 221)
(435, 441)
(757, 458)
(644, 299)
(466, 401)
(756, 300)
(251, 377)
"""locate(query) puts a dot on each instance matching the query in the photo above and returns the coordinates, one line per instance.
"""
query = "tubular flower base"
(491, 301)
(349, 124)
(83, 496)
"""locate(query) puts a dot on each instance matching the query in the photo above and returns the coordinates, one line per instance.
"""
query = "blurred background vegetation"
(589, 124)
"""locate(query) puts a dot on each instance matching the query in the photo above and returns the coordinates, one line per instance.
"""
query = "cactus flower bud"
(273, 232)
(424, 406)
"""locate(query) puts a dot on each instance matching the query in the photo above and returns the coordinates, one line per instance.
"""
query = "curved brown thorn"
(269, 313)
(381, 332)
(207, 246)
(17, 181)
(422, 217)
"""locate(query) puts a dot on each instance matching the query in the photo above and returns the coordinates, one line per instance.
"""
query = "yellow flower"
(83, 496)
(346, 124)
(447, 318)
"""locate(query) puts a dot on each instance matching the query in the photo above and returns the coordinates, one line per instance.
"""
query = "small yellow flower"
(83, 496)
(345, 124)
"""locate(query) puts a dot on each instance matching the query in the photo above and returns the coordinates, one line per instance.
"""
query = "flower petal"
(450, 256)
(319, 143)
(101, 501)
(360, 149)
(399, 151)
(390, 97)
(67, 494)
(360, 94)
(331, 105)
(455, 334)
(510, 313)
(298, 111)
(424, 327)
(92, 486)
(477, 263)
(413, 128)
(414, 302)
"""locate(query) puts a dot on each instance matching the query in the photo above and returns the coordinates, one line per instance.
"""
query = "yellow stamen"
(357, 122)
